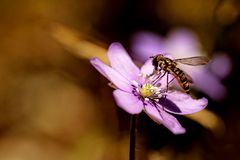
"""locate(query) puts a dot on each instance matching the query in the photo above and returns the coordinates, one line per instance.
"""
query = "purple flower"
(137, 91)
(182, 43)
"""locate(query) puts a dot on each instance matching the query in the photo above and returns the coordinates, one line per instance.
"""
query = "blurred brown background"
(54, 105)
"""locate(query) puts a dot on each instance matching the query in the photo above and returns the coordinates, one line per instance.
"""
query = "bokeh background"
(55, 106)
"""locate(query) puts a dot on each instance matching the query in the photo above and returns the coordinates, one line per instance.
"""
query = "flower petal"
(128, 102)
(183, 43)
(181, 103)
(146, 44)
(166, 119)
(147, 68)
(112, 75)
(217, 68)
(205, 81)
(121, 62)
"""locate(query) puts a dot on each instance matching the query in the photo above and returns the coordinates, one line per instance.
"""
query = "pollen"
(147, 90)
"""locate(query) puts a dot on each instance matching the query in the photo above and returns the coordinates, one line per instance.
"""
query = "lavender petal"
(146, 44)
(112, 75)
(182, 43)
(181, 103)
(121, 62)
(164, 118)
(128, 102)
(206, 81)
(147, 68)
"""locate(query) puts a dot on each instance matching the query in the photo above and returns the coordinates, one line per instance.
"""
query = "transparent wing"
(194, 61)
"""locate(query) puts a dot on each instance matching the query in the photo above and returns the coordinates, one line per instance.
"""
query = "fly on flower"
(164, 65)
(136, 91)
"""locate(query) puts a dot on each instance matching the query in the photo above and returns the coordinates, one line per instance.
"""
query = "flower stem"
(133, 131)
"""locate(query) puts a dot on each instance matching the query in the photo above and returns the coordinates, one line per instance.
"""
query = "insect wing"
(193, 61)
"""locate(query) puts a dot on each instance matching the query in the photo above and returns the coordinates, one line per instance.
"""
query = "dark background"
(54, 105)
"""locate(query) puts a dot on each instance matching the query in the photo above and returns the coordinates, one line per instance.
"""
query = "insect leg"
(171, 80)
(165, 95)
(154, 75)
(167, 83)
(160, 76)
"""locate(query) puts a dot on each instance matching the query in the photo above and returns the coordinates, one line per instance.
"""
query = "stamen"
(137, 90)
(149, 91)
(135, 83)
(140, 75)
(146, 99)
(148, 87)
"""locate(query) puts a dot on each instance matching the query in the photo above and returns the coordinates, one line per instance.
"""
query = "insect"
(169, 66)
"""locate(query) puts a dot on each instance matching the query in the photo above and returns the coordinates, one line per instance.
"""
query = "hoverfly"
(169, 66)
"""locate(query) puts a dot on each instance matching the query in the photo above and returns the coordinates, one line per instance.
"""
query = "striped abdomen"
(180, 76)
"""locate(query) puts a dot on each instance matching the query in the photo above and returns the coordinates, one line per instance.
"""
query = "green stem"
(133, 131)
